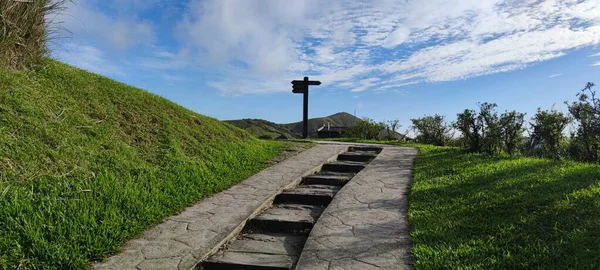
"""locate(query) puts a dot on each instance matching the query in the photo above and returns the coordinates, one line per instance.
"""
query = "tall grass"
(25, 29)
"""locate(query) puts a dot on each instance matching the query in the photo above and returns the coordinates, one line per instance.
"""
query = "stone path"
(365, 226)
(183, 240)
(274, 238)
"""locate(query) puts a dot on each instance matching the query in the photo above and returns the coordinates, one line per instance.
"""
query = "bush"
(366, 129)
(491, 132)
(431, 130)
(512, 131)
(24, 31)
(467, 123)
(547, 135)
(585, 141)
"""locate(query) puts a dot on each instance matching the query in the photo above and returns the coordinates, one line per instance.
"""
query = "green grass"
(470, 211)
(87, 163)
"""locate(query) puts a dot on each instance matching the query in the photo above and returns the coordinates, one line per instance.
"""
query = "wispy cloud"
(90, 58)
(555, 75)
(382, 45)
(595, 64)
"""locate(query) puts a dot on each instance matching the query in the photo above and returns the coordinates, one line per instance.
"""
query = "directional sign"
(301, 87)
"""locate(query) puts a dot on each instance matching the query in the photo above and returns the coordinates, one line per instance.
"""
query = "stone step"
(308, 194)
(344, 166)
(374, 149)
(269, 243)
(233, 260)
(326, 179)
(357, 156)
(287, 218)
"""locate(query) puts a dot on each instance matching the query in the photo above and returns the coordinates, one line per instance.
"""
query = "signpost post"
(301, 87)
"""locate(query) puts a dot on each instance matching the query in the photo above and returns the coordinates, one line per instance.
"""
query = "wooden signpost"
(301, 87)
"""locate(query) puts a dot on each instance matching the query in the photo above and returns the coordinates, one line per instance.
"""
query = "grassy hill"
(87, 163)
(265, 129)
(472, 211)
(341, 119)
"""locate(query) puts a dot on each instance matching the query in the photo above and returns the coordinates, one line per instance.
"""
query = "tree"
(585, 140)
(491, 132)
(431, 130)
(548, 127)
(366, 129)
(469, 126)
(511, 124)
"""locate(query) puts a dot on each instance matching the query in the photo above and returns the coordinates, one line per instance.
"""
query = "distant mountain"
(269, 130)
(341, 119)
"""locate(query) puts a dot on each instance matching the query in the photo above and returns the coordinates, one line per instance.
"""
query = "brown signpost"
(301, 87)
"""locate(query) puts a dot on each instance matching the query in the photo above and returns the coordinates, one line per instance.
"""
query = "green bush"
(366, 129)
(431, 130)
(24, 31)
(585, 140)
(547, 133)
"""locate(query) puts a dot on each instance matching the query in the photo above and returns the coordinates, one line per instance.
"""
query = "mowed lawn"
(470, 211)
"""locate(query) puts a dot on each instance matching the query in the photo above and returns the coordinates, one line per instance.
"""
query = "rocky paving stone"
(366, 224)
(182, 240)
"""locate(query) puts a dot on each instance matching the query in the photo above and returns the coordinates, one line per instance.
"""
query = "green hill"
(341, 119)
(87, 163)
(265, 129)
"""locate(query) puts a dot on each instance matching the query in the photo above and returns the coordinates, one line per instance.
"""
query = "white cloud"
(83, 21)
(596, 64)
(380, 45)
(430, 41)
(555, 75)
(399, 36)
(89, 58)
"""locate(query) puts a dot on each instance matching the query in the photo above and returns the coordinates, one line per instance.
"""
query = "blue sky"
(383, 59)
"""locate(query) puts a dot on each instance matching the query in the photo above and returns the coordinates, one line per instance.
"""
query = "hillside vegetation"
(269, 130)
(263, 129)
(87, 163)
(341, 119)
(473, 211)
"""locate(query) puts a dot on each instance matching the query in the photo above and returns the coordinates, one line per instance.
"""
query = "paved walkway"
(366, 224)
(181, 241)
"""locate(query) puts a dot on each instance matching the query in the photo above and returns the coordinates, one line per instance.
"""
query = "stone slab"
(184, 239)
(292, 213)
(366, 224)
(241, 260)
(268, 243)
(323, 179)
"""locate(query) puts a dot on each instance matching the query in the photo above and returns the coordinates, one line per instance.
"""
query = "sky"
(380, 59)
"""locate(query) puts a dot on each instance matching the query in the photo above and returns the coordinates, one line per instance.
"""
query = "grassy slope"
(262, 128)
(87, 163)
(472, 211)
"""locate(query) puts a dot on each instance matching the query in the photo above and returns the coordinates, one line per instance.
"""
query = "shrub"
(585, 140)
(512, 131)
(547, 135)
(468, 124)
(431, 130)
(491, 132)
(24, 31)
(366, 129)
